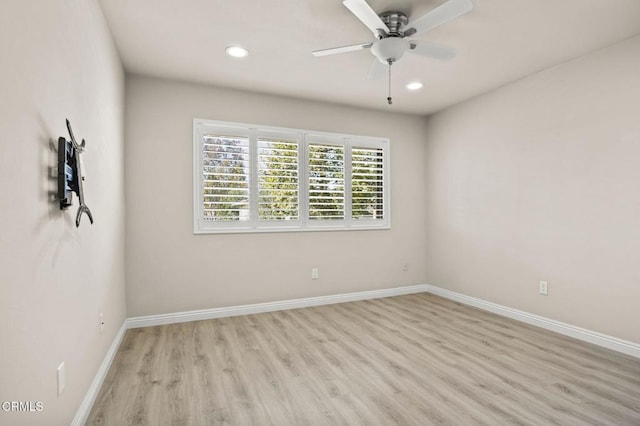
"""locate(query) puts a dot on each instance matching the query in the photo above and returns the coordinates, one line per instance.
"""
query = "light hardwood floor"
(407, 360)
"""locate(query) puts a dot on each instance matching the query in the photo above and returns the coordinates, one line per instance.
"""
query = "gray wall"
(169, 269)
(540, 180)
(58, 61)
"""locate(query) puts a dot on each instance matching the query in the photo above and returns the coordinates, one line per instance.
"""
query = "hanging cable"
(389, 98)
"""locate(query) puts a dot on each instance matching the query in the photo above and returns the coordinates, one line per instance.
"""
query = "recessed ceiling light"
(415, 85)
(237, 51)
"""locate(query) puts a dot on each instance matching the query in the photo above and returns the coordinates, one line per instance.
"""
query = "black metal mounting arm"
(70, 177)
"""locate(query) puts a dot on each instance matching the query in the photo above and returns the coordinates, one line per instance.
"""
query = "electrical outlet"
(405, 267)
(314, 274)
(101, 322)
(61, 378)
(544, 288)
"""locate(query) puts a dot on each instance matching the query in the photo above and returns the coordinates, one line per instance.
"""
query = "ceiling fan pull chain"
(389, 98)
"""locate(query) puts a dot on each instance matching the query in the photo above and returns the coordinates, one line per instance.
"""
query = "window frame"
(305, 138)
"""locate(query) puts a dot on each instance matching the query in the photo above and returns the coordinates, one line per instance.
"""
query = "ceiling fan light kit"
(391, 30)
(390, 49)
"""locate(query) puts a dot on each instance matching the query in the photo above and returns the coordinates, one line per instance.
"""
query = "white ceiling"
(498, 42)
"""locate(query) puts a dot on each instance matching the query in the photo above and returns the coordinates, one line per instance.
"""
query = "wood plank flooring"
(408, 360)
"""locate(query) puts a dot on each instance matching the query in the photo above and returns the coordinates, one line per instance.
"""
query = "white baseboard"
(204, 314)
(90, 397)
(609, 342)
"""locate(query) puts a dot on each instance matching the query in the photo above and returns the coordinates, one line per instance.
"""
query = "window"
(255, 178)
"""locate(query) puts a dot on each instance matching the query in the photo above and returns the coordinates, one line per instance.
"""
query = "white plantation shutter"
(278, 179)
(326, 181)
(367, 183)
(255, 178)
(226, 174)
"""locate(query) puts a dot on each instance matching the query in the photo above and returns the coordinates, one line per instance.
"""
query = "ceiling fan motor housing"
(395, 21)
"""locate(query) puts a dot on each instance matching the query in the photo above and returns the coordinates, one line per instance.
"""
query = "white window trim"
(303, 224)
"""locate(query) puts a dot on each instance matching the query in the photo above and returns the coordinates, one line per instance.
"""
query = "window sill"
(280, 229)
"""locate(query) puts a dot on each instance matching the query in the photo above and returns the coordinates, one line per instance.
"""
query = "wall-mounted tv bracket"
(70, 174)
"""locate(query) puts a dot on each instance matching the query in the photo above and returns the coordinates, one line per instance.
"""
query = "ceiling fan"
(392, 29)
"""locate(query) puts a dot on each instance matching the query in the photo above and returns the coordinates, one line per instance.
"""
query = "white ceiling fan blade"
(368, 16)
(432, 50)
(438, 16)
(377, 70)
(342, 49)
